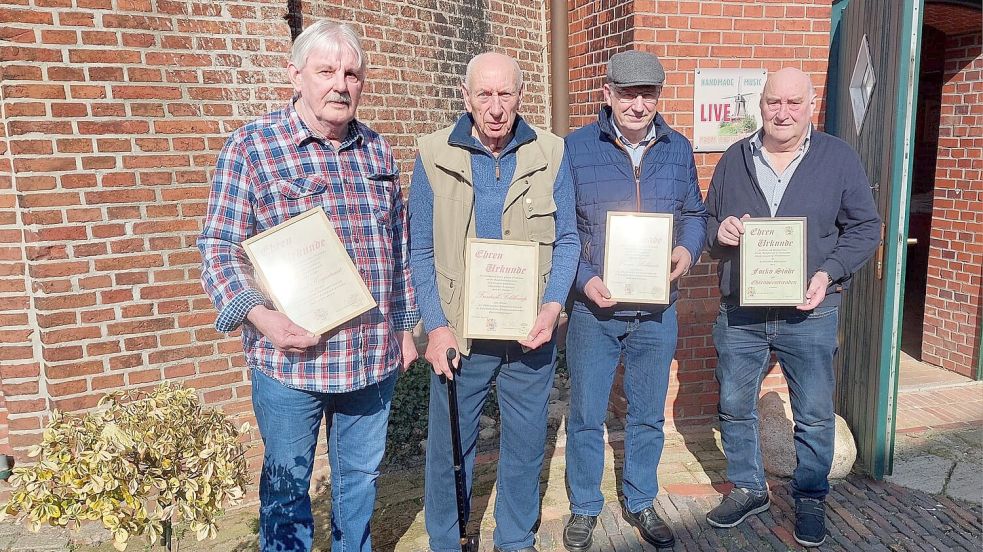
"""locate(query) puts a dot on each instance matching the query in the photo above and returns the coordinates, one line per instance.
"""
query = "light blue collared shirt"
(772, 184)
(635, 151)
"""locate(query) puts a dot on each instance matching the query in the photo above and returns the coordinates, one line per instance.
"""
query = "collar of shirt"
(461, 135)
(648, 137)
(300, 132)
(756, 144)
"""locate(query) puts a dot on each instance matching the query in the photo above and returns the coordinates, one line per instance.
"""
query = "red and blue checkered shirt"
(273, 169)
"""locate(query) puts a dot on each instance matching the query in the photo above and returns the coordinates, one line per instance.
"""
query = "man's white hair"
(515, 67)
(328, 35)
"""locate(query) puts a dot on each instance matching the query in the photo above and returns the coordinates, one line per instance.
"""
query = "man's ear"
(606, 89)
(466, 96)
(294, 74)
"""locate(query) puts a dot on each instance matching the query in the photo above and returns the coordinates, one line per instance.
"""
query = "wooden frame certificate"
(637, 257)
(501, 289)
(307, 272)
(773, 262)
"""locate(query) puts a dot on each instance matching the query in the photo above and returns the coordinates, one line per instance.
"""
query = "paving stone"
(926, 473)
(966, 483)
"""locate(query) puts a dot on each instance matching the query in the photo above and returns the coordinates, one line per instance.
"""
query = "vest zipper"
(498, 172)
(636, 170)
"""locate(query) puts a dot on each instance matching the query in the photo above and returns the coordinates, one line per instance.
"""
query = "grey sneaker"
(737, 506)
(810, 522)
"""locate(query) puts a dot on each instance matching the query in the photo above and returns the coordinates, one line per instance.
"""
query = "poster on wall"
(725, 106)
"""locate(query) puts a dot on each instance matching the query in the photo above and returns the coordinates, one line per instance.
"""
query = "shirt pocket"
(380, 196)
(295, 196)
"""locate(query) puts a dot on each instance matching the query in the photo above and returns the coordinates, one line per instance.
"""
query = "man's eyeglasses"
(628, 96)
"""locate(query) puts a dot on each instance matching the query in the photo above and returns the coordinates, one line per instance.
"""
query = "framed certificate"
(307, 272)
(637, 256)
(501, 289)
(773, 262)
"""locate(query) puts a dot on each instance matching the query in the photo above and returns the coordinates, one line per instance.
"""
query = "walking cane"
(468, 544)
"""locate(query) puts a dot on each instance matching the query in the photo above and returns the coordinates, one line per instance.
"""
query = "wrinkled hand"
(681, 262)
(542, 329)
(596, 291)
(281, 331)
(731, 229)
(441, 339)
(816, 292)
(408, 347)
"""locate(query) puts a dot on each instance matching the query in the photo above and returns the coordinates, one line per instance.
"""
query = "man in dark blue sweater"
(629, 160)
(787, 169)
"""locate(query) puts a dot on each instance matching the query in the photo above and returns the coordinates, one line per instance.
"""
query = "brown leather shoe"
(650, 526)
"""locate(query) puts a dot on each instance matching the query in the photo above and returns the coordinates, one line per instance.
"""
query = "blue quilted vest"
(605, 181)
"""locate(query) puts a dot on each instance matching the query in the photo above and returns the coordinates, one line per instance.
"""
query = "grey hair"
(329, 35)
(515, 67)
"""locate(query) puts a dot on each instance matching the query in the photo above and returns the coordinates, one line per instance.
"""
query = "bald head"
(492, 62)
(790, 78)
(787, 104)
(492, 94)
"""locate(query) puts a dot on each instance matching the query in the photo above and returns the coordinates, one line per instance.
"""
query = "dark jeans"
(805, 343)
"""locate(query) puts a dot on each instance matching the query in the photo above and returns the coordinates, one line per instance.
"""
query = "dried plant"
(137, 463)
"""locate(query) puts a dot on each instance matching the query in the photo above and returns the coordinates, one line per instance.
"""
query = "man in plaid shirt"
(314, 153)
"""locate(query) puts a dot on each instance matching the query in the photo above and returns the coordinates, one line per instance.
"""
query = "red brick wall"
(686, 35)
(952, 296)
(113, 112)
(597, 30)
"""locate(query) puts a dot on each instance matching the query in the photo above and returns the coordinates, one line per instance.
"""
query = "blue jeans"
(289, 421)
(805, 343)
(594, 347)
(523, 381)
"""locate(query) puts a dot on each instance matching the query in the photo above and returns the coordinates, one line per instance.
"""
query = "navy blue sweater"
(829, 188)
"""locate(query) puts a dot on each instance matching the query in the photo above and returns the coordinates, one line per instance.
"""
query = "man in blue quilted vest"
(629, 160)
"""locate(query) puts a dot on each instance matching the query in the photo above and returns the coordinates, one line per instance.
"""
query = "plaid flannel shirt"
(273, 169)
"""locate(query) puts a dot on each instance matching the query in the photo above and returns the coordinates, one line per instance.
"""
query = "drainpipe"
(559, 68)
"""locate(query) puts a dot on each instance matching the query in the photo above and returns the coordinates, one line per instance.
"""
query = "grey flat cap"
(634, 68)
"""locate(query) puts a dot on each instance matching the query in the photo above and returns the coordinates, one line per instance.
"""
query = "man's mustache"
(343, 97)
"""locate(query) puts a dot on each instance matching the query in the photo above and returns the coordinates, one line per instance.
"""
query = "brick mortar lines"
(36, 344)
(256, 91)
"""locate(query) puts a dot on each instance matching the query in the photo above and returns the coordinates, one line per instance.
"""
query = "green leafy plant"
(138, 462)
(408, 415)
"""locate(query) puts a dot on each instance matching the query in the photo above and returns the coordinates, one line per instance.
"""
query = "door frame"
(895, 239)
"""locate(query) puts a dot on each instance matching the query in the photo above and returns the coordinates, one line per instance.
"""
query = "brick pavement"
(863, 515)
(939, 408)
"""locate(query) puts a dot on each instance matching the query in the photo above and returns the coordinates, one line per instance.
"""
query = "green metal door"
(871, 104)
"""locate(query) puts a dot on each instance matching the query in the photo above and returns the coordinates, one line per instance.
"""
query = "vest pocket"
(447, 287)
(450, 292)
(540, 221)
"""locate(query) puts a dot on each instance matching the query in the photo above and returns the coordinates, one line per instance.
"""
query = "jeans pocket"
(822, 312)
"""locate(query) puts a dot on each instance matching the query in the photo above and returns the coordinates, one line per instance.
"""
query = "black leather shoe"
(526, 549)
(578, 535)
(650, 526)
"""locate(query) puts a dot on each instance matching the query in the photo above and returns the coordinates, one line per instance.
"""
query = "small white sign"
(725, 106)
